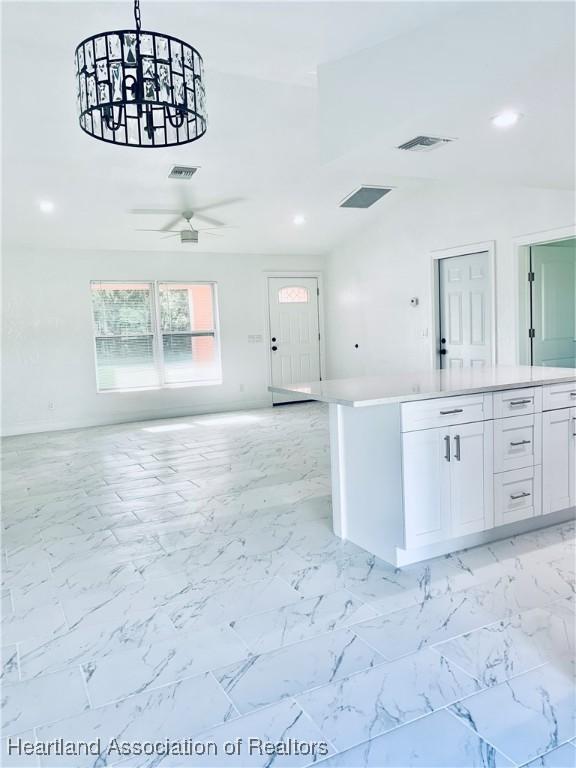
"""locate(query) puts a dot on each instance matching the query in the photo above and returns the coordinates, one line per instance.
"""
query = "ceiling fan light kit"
(140, 89)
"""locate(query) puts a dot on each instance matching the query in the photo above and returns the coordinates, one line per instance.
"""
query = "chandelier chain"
(137, 17)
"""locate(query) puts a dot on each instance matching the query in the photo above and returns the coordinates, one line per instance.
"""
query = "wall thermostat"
(414, 301)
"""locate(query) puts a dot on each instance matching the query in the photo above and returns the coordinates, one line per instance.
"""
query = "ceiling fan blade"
(224, 226)
(177, 231)
(172, 235)
(162, 211)
(172, 223)
(208, 220)
(218, 204)
(210, 234)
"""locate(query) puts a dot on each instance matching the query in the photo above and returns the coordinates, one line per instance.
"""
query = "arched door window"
(293, 294)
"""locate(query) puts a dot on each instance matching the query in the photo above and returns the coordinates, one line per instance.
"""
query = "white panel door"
(465, 311)
(426, 474)
(558, 460)
(294, 332)
(471, 493)
(554, 305)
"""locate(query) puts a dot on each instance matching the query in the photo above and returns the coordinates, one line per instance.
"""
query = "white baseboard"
(80, 422)
(409, 556)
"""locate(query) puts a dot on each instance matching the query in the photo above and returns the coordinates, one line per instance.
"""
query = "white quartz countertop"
(404, 386)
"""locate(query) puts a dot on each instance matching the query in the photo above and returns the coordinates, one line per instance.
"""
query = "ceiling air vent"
(182, 172)
(424, 143)
(364, 197)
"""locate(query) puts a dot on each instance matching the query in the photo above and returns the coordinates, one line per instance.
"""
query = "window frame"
(157, 336)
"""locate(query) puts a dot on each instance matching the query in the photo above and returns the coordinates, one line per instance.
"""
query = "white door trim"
(488, 246)
(293, 273)
(521, 245)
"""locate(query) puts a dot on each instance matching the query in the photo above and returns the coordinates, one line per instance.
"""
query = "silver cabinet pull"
(520, 402)
(572, 394)
(457, 450)
(521, 495)
(454, 410)
(521, 442)
(447, 444)
(574, 433)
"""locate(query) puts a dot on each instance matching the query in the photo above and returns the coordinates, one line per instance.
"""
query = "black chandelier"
(140, 89)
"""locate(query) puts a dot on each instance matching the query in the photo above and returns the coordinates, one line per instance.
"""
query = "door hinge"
(317, 291)
(318, 337)
(531, 333)
(530, 277)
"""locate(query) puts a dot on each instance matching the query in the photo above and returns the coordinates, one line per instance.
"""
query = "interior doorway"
(551, 311)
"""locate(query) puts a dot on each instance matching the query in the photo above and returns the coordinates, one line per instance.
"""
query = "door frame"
(488, 246)
(296, 273)
(521, 256)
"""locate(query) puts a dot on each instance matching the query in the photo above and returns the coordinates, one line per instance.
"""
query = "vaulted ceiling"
(306, 101)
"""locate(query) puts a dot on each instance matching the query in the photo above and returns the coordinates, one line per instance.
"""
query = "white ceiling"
(281, 137)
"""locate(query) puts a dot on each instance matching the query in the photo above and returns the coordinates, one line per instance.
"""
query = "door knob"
(273, 338)
(274, 348)
(443, 352)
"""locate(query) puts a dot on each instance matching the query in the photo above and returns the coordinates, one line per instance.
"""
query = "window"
(293, 294)
(152, 335)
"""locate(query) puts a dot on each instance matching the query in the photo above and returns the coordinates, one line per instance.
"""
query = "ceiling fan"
(188, 234)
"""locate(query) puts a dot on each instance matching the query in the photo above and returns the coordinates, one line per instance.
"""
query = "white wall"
(371, 277)
(48, 353)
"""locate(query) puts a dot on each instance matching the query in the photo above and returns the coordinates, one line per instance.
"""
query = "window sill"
(186, 385)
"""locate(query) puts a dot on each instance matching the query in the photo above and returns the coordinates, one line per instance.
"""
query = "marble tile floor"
(179, 579)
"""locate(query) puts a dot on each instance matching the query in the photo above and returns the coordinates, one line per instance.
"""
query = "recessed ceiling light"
(299, 219)
(506, 119)
(46, 206)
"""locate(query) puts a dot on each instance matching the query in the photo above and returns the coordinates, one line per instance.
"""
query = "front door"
(294, 332)
(465, 311)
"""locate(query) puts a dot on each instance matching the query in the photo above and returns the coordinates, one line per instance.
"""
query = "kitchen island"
(429, 462)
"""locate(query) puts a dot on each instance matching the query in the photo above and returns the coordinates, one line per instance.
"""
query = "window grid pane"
(189, 347)
(124, 336)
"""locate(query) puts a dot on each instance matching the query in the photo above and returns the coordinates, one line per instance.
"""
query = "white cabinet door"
(426, 467)
(471, 475)
(558, 460)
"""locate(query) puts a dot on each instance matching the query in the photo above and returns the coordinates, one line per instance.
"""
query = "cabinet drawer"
(446, 411)
(513, 402)
(517, 442)
(559, 395)
(517, 495)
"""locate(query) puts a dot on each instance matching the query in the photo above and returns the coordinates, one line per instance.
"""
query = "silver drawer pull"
(447, 444)
(520, 402)
(572, 394)
(521, 442)
(454, 410)
(522, 495)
